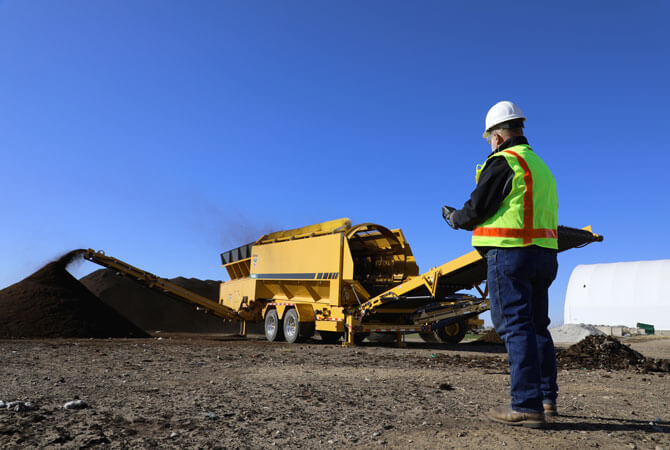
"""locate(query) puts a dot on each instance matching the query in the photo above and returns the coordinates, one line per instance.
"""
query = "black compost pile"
(51, 303)
(605, 352)
(152, 310)
(490, 338)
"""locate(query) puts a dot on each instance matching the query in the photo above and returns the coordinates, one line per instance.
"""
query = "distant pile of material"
(571, 333)
(605, 352)
(152, 310)
(491, 337)
(52, 303)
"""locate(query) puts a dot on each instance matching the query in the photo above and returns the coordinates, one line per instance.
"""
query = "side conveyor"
(465, 272)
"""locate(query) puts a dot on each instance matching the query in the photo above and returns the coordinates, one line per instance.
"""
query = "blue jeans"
(518, 282)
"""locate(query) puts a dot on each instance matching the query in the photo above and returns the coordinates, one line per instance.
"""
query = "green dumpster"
(648, 329)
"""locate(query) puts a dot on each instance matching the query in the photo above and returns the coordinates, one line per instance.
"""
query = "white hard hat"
(502, 112)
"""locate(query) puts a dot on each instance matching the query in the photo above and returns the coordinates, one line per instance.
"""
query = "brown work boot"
(550, 409)
(506, 415)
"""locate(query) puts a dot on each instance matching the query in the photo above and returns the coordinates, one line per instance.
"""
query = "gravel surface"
(223, 392)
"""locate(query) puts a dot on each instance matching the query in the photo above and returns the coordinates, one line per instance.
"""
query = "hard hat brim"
(502, 121)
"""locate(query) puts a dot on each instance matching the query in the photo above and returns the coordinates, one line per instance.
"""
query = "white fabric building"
(620, 294)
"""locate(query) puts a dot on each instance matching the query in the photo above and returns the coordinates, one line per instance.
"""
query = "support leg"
(348, 340)
(399, 341)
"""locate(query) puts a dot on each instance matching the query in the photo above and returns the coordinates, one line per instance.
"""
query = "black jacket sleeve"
(495, 183)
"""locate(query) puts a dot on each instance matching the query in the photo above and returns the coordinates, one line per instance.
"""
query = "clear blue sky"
(167, 132)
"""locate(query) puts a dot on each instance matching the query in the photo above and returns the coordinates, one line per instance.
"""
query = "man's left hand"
(447, 214)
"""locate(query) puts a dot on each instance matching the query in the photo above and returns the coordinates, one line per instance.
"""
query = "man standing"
(513, 215)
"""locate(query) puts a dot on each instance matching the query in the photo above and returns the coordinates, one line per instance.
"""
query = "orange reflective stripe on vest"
(526, 235)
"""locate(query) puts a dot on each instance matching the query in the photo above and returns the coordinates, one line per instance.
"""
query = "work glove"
(447, 214)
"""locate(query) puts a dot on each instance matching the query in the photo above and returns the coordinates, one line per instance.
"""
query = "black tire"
(330, 337)
(454, 333)
(273, 326)
(294, 330)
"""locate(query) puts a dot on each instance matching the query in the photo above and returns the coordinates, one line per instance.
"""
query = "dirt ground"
(205, 391)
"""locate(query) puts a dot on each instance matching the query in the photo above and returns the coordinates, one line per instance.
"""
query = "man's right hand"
(447, 213)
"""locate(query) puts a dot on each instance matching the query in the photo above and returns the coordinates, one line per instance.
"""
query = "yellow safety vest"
(529, 213)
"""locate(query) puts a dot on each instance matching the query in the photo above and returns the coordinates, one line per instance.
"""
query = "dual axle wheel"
(292, 330)
(289, 328)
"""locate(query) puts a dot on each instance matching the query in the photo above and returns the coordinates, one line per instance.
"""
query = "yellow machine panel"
(329, 227)
(235, 294)
(300, 259)
(301, 269)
